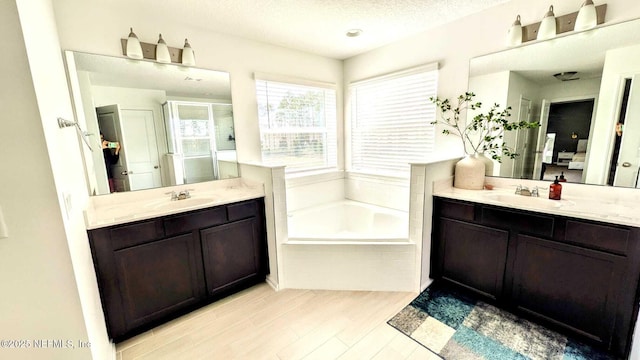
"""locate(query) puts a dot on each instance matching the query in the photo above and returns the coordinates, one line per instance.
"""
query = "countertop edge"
(107, 222)
(581, 215)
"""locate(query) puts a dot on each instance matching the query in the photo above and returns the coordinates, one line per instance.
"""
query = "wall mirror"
(174, 124)
(581, 88)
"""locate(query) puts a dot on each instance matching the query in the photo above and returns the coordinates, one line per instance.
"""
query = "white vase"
(469, 173)
(488, 164)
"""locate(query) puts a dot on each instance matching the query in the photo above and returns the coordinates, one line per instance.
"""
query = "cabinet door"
(573, 287)
(157, 278)
(472, 255)
(232, 254)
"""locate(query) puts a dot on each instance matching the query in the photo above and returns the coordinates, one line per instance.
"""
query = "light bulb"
(515, 33)
(547, 28)
(188, 57)
(587, 17)
(134, 50)
(162, 51)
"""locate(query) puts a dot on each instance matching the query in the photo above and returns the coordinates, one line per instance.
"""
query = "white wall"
(307, 191)
(490, 89)
(46, 258)
(571, 89)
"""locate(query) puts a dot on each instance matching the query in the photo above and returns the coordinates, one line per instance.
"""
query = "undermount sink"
(533, 201)
(166, 204)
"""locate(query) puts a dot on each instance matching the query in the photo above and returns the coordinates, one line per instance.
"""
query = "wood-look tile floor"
(260, 323)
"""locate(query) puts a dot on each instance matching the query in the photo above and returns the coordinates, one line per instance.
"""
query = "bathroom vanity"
(575, 275)
(171, 262)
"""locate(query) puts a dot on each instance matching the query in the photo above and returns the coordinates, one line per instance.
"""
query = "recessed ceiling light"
(354, 32)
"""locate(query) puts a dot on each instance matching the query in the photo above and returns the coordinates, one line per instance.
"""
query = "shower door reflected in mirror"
(199, 145)
(198, 135)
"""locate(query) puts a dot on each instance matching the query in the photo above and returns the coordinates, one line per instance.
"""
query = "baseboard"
(425, 284)
(273, 285)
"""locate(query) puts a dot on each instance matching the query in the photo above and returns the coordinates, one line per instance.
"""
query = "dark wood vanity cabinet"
(580, 277)
(153, 270)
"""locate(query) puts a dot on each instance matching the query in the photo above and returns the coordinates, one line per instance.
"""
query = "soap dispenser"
(562, 178)
(555, 190)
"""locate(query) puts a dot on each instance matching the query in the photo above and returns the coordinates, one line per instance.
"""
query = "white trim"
(395, 74)
(379, 178)
(286, 79)
(312, 177)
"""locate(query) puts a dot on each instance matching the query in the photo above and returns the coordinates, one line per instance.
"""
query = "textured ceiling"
(315, 26)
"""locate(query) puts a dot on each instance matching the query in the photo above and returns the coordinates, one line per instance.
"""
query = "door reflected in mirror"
(174, 124)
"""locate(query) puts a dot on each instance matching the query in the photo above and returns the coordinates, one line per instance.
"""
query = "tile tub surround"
(591, 202)
(119, 208)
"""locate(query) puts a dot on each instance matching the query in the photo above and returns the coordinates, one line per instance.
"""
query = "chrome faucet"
(184, 194)
(524, 191)
(174, 195)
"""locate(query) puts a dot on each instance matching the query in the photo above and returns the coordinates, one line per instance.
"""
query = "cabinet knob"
(626, 164)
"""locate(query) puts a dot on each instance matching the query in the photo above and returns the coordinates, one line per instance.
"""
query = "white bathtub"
(348, 222)
(348, 245)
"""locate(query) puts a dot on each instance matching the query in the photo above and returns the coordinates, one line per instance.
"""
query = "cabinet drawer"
(600, 237)
(190, 221)
(456, 210)
(242, 210)
(135, 234)
(522, 222)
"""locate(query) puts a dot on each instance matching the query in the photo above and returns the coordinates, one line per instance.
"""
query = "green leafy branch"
(485, 132)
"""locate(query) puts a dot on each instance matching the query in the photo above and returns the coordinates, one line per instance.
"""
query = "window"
(391, 121)
(297, 125)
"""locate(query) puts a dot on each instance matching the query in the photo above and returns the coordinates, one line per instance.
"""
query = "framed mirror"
(580, 87)
(149, 124)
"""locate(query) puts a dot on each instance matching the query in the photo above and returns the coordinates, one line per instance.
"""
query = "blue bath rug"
(457, 326)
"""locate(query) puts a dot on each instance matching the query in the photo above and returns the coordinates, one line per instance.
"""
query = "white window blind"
(297, 125)
(391, 121)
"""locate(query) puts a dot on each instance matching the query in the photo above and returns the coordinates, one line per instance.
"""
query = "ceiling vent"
(567, 76)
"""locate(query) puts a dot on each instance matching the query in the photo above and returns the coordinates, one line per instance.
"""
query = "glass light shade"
(188, 57)
(547, 28)
(134, 49)
(162, 51)
(515, 33)
(587, 17)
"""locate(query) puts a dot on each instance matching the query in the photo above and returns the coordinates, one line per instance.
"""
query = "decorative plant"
(485, 132)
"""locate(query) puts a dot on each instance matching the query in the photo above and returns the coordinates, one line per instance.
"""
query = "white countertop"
(120, 208)
(588, 202)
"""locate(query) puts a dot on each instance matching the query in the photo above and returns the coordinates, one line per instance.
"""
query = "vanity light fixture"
(515, 33)
(547, 28)
(162, 51)
(354, 33)
(134, 49)
(188, 57)
(587, 16)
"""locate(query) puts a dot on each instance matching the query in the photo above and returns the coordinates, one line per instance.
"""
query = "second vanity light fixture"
(589, 16)
(160, 52)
